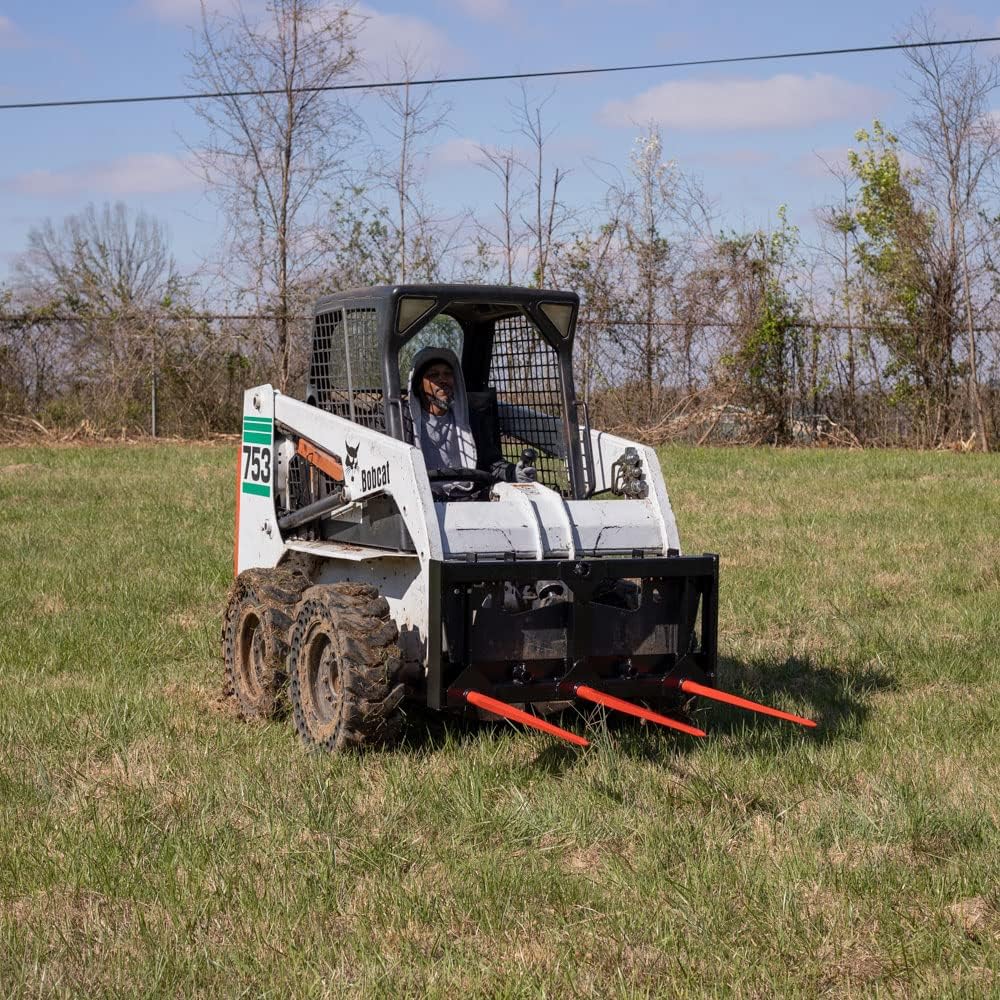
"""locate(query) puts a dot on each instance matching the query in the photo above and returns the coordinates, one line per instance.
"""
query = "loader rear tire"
(344, 666)
(255, 638)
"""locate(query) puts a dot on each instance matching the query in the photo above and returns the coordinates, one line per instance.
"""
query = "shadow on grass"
(556, 759)
(836, 698)
(430, 732)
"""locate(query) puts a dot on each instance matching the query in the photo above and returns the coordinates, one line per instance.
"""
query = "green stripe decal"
(251, 437)
(257, 422)
(257, 489)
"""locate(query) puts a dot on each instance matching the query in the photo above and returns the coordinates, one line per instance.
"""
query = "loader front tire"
(255, 638)
(344, 669)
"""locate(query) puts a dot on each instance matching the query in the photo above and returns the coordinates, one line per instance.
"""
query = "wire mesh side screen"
(525, 371)
(345, 374)
(364, 369)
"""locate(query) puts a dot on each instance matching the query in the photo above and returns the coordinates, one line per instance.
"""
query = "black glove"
(525, 471)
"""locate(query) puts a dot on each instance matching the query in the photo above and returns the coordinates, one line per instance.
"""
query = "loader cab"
(514, 346)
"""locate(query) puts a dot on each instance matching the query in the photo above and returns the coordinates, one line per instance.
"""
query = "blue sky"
(752, 133)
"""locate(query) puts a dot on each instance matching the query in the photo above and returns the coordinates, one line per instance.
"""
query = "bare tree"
(549, 216)
(652, 211)
(839, 229)
(593, 266)
(414, 117)
(270, 155)
(98, 261)
(644, 295)
(504, 165)
(94, 289)
(958, 141)
(647, 212)
(34, 356)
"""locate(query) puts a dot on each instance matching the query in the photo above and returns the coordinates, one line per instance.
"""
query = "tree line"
(883, 329)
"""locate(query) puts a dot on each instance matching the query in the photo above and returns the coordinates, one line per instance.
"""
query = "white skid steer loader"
(368, 576)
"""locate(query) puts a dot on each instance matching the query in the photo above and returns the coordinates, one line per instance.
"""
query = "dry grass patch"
(850, 855)
(201, 698)
(850, 955)
(49, 606)
(589, 861)
(82, 912)
(905, 583)
(94, 939)
(188, 621)
(966, 786)
(977, 917)
(98, 781)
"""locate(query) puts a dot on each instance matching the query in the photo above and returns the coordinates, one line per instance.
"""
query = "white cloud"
(383, 37)
(171, 11)
(10, 35)
(135, 174)
(486, 10)
(183, 12)
(456, 152)
(783, 101)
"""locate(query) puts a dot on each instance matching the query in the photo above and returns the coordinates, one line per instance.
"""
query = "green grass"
(150, 844)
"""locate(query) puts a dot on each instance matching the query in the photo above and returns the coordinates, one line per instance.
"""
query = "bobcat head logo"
(352, 455)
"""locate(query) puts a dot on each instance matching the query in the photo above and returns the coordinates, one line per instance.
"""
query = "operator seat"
(484, 417)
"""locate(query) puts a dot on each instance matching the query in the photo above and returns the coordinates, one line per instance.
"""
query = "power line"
(540, 74)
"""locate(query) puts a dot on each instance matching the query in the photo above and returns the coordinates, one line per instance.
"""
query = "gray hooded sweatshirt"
(446, 441)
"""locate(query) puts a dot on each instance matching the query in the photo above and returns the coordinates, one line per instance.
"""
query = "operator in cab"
(439, 410)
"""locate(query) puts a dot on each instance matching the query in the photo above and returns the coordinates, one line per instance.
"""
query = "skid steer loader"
(364, 581)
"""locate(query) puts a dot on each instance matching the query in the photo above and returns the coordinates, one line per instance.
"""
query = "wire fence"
(184, 375)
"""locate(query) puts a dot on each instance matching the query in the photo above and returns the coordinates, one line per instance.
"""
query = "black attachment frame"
(540, 655)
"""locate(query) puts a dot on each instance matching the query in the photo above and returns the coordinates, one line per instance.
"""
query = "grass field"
(151, 844)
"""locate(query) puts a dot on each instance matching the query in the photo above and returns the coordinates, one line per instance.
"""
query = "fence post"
(152, 392)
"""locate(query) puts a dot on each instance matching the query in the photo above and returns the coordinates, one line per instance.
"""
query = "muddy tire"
(344, 667)
(255, 638)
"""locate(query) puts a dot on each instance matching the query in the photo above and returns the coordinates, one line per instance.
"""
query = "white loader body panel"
(258, 542)
(605, 450)
(534, 522)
